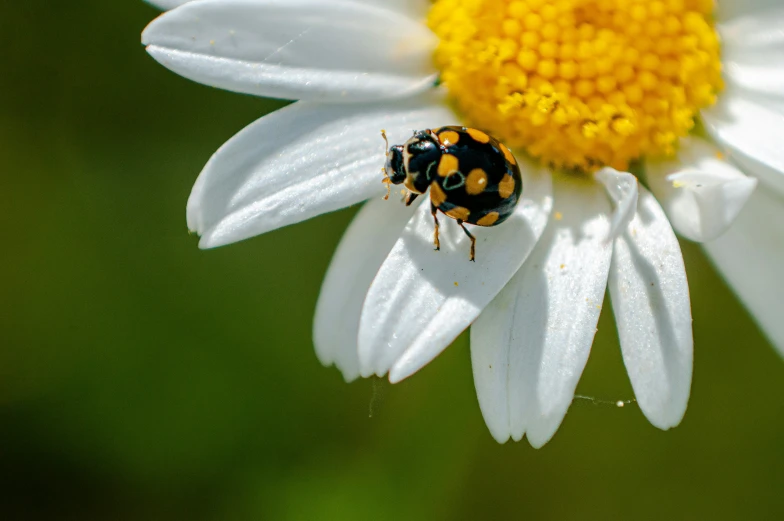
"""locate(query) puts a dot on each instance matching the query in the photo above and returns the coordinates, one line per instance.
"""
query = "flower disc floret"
(580, 84)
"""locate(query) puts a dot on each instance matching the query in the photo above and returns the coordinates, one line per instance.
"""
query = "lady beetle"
(473, 178)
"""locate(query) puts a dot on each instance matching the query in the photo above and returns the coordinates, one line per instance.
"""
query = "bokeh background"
(142, 378)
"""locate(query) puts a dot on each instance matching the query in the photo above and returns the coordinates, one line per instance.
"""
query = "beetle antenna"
(387, 181)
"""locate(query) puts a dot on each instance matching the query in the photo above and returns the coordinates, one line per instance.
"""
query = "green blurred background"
(142, 378)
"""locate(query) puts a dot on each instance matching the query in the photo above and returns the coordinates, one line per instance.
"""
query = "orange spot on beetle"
(506, 186)
(489, 219)
(478, 135)
(437, 195)
(458, 212)
(476, 181)
(447, 165)
(449, 137)
(507, 154)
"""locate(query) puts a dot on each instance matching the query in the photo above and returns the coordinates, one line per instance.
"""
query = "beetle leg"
(433, 211)
(473, 240)
(387, 181)
(410, 196)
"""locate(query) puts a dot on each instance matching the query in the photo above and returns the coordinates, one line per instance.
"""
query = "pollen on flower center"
(580, 84)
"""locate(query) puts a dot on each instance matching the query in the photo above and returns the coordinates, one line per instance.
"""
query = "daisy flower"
(593, 96)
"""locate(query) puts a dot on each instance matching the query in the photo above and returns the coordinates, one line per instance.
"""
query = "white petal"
(650, 298)
(772, 103)
(753, 56)
(752, 133)
(301, 161)
(751, 257)
(411, 8)
(422, 299)
(622, 189)
(530, 345)
(765, 80)
(165, 5)
(701, 192)
(751, 24)
(364, 247)
(416, 9)
(295, 49)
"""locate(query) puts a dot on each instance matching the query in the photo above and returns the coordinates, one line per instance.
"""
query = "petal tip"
(399, 372)
(208, 241)
(666, 418)
(146, 36)
(500, 437)
(623, 190)
(538, 442)
(366, 370)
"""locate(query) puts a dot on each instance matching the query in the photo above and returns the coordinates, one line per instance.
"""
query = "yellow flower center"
(580, 84)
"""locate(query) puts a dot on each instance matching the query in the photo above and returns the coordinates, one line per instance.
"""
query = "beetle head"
(394, 167)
